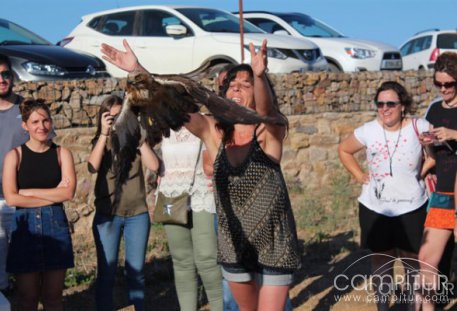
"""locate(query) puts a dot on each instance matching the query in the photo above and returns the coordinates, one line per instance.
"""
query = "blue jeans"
(6, 221)
(107, 232)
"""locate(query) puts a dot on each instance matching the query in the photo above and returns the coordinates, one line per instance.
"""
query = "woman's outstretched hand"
(124, 60)
(259, 59)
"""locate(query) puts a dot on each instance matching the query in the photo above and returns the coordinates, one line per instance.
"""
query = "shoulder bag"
(174, 210)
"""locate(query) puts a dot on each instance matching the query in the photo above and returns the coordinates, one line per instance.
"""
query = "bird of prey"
(154, 104)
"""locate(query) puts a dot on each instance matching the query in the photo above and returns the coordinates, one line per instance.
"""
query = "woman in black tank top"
(37, 177)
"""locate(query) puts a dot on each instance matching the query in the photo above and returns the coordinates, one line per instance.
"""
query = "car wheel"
(333, 68)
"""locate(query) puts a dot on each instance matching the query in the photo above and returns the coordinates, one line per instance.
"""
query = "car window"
(447, 41)
(427, 43)
(94, 22)
(13, 34)
(118, 24)
(417, 45)
(266, 24)
(217, 21)
(309, 27)
(155, 21)
(406, 48)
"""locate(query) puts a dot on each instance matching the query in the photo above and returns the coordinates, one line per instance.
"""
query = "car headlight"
(44, 69)
(271, 52)
(360, 53)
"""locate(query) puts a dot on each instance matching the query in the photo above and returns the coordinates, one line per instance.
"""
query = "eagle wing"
(154, 104)
(223, 109)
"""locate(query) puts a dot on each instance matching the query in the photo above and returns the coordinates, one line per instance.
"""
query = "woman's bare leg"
(246, 295)
(433, 244)
(273, 297)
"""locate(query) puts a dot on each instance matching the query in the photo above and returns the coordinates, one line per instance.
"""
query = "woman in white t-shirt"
(392, 205)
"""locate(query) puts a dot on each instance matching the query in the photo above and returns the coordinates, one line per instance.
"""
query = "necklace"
(391, 156)
(453, 105)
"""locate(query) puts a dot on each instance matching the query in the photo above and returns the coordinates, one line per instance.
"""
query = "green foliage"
(321, 212)
(74, 277)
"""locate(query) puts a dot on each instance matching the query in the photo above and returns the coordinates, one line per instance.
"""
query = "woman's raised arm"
(126, 60)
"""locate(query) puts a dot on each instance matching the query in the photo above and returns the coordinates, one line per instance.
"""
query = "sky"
(388, 21)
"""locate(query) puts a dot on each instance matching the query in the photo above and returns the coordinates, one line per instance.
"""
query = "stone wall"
(322, 109)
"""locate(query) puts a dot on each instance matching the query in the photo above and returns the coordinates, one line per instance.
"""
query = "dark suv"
(34, 58)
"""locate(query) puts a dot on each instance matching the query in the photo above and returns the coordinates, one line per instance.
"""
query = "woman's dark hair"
(29, 105)
(447, 62)
(105, 106)
(227, 129)
(405, 100)
(4, 60)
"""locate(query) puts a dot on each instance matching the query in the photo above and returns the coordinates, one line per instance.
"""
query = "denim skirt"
(40, 240)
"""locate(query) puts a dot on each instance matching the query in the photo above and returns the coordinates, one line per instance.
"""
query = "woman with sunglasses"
(392, 205)
(441, 216)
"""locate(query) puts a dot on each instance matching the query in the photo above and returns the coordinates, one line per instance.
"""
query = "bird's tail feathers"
(125, 143)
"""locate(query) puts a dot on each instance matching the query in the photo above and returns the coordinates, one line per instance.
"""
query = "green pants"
(194, 251)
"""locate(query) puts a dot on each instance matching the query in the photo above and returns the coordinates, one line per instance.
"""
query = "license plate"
(391, 64)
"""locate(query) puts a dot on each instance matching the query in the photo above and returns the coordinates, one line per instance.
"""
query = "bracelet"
(101, 134)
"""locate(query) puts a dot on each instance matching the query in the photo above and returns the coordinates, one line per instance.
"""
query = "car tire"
(333, 68)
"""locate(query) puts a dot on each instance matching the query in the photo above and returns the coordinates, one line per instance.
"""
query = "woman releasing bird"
(154, 104)
(257, 240)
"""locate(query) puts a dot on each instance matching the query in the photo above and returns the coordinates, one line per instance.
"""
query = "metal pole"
(240, 9)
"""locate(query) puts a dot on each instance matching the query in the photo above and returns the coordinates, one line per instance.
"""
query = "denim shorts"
(264, 277)
(40, 240)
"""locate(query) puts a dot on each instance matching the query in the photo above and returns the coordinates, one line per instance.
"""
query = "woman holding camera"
(392, 206)
(129, 218)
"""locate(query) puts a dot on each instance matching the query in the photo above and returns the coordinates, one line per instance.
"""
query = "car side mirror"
(281, 32)
(176, 30)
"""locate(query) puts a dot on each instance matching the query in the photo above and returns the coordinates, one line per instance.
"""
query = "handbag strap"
(196, 163)
(414, 120)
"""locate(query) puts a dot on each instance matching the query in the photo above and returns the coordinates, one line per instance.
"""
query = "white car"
(422, 49)
(342, 53)
(178, 39)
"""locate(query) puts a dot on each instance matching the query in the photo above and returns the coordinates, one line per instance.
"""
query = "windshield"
(13, 34)
(309, 27)
(217, 21)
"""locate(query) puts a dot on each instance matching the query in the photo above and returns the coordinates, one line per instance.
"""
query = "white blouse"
(179, 154)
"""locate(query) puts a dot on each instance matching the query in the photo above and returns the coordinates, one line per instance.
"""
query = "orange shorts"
(441, 211)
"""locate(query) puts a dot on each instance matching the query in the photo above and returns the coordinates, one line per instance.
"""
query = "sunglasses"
(381, 105)
(5, 74)
(446, 85)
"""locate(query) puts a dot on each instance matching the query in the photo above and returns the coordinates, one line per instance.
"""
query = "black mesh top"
(256, 224)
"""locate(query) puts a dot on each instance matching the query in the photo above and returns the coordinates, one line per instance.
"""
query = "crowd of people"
(241, 230)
